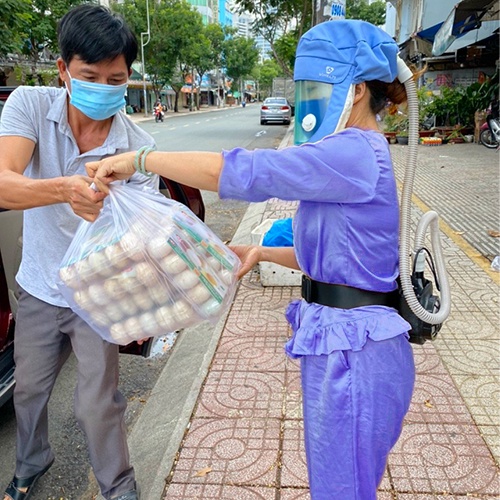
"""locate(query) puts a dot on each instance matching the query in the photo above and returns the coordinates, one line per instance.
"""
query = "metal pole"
(142, 56)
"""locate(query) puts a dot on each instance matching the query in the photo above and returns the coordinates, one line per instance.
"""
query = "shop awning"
(465, 16)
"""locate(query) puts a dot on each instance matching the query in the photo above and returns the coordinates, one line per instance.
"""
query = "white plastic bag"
(147, 266)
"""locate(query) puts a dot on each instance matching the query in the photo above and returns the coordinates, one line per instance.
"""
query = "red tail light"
(285, 108)
(265, 107)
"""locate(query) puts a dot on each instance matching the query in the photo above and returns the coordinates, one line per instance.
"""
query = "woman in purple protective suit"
(356, 361)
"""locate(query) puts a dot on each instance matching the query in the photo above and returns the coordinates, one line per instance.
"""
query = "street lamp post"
(143, 44)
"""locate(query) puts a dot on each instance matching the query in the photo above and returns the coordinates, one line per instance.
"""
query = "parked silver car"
(275, 109)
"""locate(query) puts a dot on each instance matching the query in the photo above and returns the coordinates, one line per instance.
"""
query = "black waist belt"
(345, 297)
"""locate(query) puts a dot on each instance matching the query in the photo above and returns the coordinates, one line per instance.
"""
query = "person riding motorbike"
(158, 111)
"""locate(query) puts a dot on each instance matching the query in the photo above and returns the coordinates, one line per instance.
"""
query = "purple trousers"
(354, 405)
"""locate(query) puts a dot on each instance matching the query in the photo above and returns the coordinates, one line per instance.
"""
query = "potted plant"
(395, 123)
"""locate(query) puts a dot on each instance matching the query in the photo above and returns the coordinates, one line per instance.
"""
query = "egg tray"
(148, 282)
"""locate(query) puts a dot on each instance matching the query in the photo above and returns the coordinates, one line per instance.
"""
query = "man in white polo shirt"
(46, 136)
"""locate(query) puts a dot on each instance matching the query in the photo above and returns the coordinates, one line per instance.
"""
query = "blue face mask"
(98, 101)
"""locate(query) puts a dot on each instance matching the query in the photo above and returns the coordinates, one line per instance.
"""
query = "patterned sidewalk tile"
(242, 394)
(477, 326)
(250, 354)
(218, 492)
(293, 468)
(451, 458)
(436, 399)
(295, 494)
(237, 451)
(427, 359)
(443, 496)
(293, 395)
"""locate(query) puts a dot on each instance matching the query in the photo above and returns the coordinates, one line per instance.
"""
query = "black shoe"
(13, 491)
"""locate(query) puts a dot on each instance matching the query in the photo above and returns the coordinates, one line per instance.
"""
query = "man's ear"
(61, 67)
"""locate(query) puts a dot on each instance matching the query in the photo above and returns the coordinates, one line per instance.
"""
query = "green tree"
(174, 28)
(28, 28)
(360, 9)
(264, 73)
(273, 17)
(239, 58)
(14, 14)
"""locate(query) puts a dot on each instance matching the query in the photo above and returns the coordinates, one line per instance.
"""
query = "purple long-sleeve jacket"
(345, 228)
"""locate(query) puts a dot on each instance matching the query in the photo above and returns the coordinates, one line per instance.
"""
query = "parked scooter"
(490, 130)
(487, 136)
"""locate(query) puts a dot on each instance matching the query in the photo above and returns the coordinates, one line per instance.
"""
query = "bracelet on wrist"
(140, 160)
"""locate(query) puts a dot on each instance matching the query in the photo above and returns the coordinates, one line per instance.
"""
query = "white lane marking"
(187, 125)
(260, 132)
(155, 132)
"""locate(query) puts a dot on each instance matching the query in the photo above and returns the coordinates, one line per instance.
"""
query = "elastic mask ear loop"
(65, 84)
(346, 111)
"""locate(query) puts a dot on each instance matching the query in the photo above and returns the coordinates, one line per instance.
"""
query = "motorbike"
(158, 115)
(489, 135)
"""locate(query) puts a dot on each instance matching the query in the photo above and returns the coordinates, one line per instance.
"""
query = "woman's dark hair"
(95, 34)
(383, 93)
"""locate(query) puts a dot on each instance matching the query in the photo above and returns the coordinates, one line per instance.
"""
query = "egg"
(128, 306)
(134, 329)
(186, 280)
(173, 264)
(165, 318)
(158, 248)
(149, 324)
(83, 300)
(114, 289)
(119, 334)
(159, 294)
(98, 294)
(133, 246)
(70, 277)
(114, 313)
(211, 308)
(116, 256)
(146, 274)
(183, 312)
(198, 294)
(226, 276)
(143, 300)
(129, 282)
(83, 270)
(213, 263)
(100, 264)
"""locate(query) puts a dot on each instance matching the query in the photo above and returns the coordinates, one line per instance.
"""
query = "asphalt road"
(70, 475)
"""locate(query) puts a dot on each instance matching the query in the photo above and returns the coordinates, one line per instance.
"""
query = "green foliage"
(14, 14)
(274, 17)
(264, 74)
(373, 13)
(457, 105)
(176, 43)
(397, 122)
(239, 57)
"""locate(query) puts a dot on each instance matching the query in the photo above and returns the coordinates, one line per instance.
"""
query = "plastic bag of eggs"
(158, 270)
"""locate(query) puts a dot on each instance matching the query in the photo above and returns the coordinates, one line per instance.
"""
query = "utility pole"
(328, 10)
(143, 44)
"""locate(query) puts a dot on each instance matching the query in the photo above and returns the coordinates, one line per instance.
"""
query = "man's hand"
(250, 255)
(85, 201)
(111, 169)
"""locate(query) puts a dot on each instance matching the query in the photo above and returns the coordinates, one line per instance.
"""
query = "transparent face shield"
(311, 103)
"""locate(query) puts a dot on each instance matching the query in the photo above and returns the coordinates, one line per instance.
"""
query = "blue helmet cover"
(343, 53)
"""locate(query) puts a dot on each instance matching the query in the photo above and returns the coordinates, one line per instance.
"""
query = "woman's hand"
(111, 169)
(250, 255)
